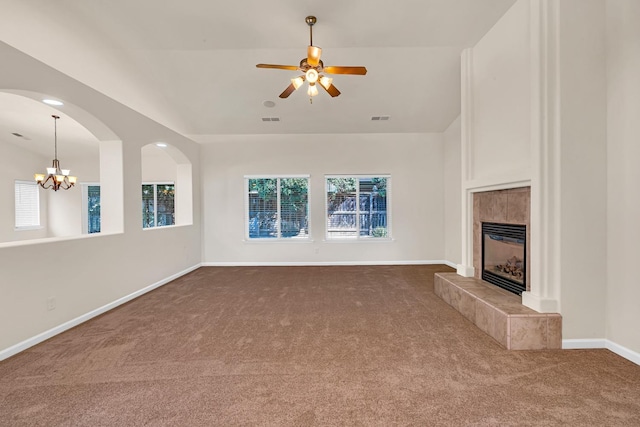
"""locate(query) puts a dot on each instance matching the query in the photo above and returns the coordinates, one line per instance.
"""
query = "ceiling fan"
(313, 69)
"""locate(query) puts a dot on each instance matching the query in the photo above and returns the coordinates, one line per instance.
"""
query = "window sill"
(47, 240)
(354, 240)
(28, 228)
(261, 241)
(165, 227)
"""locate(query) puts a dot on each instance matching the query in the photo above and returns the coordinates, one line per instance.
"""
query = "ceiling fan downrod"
(310, 20)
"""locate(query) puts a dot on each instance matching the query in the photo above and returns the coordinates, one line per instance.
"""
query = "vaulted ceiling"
(190, 64)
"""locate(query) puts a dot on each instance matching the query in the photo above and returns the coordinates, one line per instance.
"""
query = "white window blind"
(27, 204)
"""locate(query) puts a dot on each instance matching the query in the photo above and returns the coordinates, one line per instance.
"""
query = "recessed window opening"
(277, 207)
(167, 186)
(358, 207)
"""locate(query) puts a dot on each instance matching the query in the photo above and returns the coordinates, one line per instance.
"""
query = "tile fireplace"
(509, 209)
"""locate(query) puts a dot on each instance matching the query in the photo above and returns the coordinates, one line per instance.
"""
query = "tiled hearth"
(500, 313)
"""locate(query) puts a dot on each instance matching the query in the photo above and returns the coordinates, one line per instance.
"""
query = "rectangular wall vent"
(380, 118)
(271, 119)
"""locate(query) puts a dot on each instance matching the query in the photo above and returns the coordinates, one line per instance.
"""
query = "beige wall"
(413, 160)
(583, 171)
(623, 157)
(86, 273)
(157, 165)
(452, 193)
(500, 78)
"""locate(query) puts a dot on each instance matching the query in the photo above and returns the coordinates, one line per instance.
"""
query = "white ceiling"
(191, 64)
(32, 120)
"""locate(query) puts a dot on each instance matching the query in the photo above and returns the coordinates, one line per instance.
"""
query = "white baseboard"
(628, 354)
(322, 263)
(584, 344)
(30, 342)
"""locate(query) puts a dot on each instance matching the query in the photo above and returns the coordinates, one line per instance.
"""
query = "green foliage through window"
(278, 207)
(158, 205)
(93, 208)
(357, 207)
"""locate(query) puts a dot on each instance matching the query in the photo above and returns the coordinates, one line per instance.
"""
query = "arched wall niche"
(86, 145)
(163, 162)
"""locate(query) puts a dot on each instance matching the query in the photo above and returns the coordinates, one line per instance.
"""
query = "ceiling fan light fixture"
(313, 55)
(326, 82)
(312, 76)
(297, 82)
(311, 66)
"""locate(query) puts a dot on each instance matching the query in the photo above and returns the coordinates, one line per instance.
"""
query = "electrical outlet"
(51, 303)
(317, 250)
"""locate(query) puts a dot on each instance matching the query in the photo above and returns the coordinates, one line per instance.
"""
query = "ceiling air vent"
(271, 119)
(379, 118)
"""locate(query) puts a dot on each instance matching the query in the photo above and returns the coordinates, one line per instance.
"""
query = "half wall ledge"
(500, 313)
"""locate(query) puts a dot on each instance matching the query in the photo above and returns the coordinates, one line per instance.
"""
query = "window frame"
(155, 204)
(38, 225)
(85, 207)
(279, 237)
(357, 236)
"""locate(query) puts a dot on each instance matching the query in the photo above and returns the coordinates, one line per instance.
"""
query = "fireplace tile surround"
(510, 206)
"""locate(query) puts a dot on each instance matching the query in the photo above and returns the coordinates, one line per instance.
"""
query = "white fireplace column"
(544, 153)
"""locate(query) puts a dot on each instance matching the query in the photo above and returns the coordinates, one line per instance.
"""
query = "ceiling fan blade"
(288, 91)
(331, 90)
(279, 67)
(313, 55)
(361, 71)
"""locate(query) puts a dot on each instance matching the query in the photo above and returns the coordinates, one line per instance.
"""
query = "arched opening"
(167, 194)
(84, 144)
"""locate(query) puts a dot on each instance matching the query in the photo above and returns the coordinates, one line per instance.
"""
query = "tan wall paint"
(623, 157)
(452, 192)
(413, 160)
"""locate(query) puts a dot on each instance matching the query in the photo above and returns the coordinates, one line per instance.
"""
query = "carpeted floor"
(305, 346)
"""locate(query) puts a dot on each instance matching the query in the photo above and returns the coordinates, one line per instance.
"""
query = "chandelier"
(56, 178)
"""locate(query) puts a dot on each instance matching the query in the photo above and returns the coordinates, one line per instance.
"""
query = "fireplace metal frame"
(514, 231)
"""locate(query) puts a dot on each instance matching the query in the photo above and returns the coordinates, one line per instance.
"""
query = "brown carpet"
(304, 346)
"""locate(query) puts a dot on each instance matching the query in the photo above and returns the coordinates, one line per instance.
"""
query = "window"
(277, 208)
(93, 209)
(158, 209)
(357, 207)
(27, 205)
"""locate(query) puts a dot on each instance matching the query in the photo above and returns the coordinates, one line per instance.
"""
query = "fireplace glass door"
(504, 255)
